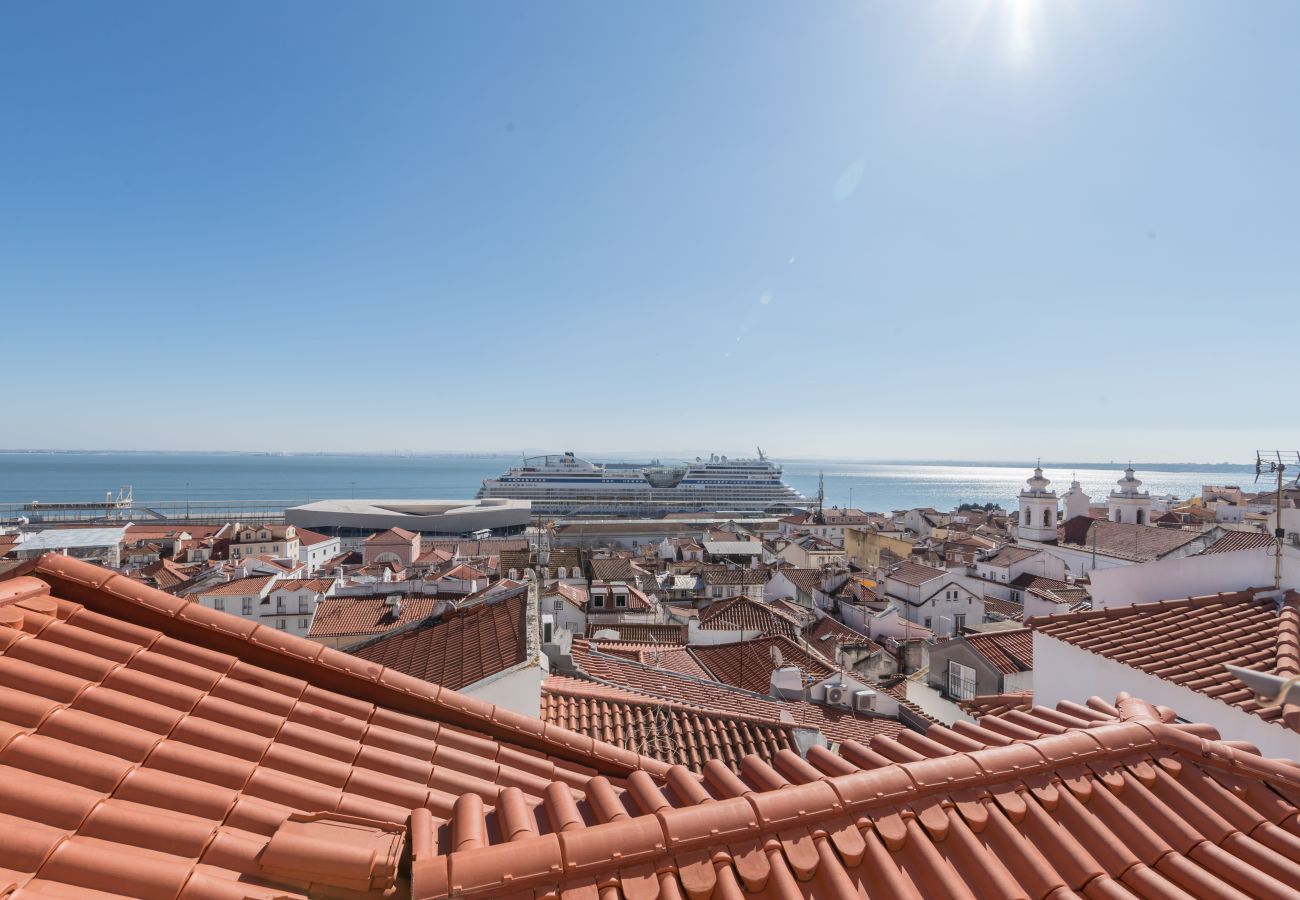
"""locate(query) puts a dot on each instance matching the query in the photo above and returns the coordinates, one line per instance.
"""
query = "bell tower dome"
(1038, 506)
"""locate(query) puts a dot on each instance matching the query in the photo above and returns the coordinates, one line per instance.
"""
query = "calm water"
(296, 479)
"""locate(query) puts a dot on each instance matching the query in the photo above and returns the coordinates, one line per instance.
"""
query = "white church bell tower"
(1037, 521)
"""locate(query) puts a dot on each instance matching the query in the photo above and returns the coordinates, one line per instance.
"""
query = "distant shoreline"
(619, 457)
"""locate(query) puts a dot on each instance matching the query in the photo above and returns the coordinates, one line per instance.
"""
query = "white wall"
(516, 689)
(934, 703)
(1190, 576)
(1065, 672)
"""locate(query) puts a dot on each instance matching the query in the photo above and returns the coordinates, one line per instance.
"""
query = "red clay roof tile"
(1188, 642)
(458, 648)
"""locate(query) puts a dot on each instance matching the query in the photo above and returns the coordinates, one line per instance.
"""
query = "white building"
(1128, 503)
(1038, 509)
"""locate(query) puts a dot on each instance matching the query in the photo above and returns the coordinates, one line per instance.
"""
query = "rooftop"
(458, 648)
(1009, 651)
(1140, 543)
(1188, 642)
(155, 748)
(915, 574)
(362, 616)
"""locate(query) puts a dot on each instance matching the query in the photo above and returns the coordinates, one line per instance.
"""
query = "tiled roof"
(643, 632)
(615, 569)
(393, 535)
(1006, 608)
(997, 704)
(1188, 642)
(1008, 651)
(344, 616)
(1241, 540)
(828, 635)
(463, 572)
(153, 748)
(745, 614)
(1026, 580)
(672, 732)
(915, 574)
(804, 579)
(298, 585)
(1077, 801)
(727, 575)
(837, 725)
(1008, 554)
(167, 573)
(749, 664)
(1141, 543)
(254, 585)
(1071, 597)
(458, 648)
(675, 657)
(571, 592)
(308, 538)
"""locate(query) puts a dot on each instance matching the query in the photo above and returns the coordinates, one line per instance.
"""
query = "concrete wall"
(1065, 672)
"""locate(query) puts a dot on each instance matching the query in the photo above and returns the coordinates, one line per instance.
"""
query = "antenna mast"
(1275, 467)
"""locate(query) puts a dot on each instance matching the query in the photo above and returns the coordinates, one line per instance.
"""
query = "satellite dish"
(778, 661)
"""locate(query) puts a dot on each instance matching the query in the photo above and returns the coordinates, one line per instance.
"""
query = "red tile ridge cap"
(1288, 635)
(23, 587)
(105, 591)
(1110, 612)
(647, 839)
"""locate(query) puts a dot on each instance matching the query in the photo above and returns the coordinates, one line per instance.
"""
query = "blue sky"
(877, 230)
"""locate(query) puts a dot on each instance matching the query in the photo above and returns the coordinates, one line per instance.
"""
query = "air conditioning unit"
(837, 695)
(864, 701)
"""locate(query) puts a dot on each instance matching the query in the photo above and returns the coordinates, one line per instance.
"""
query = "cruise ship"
(564, 485)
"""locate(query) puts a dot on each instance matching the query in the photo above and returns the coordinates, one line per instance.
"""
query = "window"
(961, 681)
(561, 572)
(958, 623)
(1141, 517)
(1047, 517)
(928, 620)
(717, 592)
(557, 605)
(620, 600)
(248, 606)
(280, 624)
(1026, 517)
(304, 623)
(598, 601)
(219, 603)
(546, 632)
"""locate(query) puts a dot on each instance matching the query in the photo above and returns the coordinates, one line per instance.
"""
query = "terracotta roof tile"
(998, 704)
(1188, 642)
(673, 732)
(837, 725)
(745, 614)
(1008, 555)
(915, 574)
(1008, 609)
(154, 748)
(642, 632)
(1009, 651)
(219, 759)
(1141, 543)
(828, 635)
(1241, 540)
(345, 616)
(749, 664)
(1092, 801)
(256, 584)
(458, 648)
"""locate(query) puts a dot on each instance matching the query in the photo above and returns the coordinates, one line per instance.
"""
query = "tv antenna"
(1276, 467)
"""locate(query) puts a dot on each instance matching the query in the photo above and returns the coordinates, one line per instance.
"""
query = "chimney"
(394, 604)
